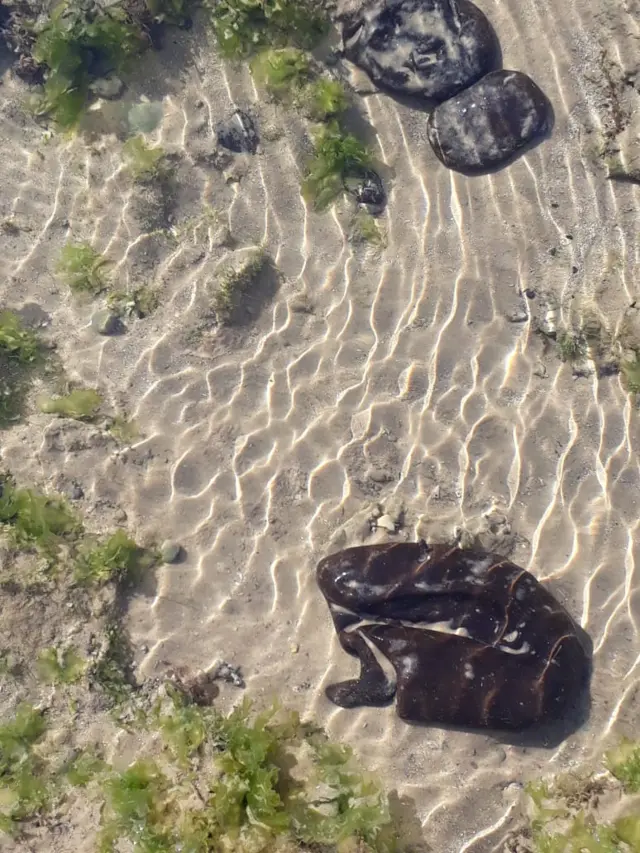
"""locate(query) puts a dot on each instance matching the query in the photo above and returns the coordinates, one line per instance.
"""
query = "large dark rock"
(484, 126)
(426, 48)
(238, 133)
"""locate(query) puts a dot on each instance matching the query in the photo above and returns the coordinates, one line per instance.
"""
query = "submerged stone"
(366, 186)
(238, 133)
(105, 322)
(426, 48)
(484, 126)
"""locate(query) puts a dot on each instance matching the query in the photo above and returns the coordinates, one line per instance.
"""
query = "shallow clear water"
(258, 445)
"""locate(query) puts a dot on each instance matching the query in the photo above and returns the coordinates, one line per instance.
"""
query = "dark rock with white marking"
(484, 126)
(426, 48)
(366, 186)
(238, 134)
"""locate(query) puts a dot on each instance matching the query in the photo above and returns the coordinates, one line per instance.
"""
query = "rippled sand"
(408, 386)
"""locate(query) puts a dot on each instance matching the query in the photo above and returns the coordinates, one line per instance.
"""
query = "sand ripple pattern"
(259, 445)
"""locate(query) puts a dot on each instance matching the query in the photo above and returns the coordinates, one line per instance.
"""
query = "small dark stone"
(484, 126)
(553, 252)
(365, 186)
(574, 269)
(530, 293)
(27, 69)
(426, 48)
(77, 492)
(238, 133)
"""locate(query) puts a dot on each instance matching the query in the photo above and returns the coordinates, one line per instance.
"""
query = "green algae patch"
(631, 373)
(82, 268)
(139, 302)
(57, 666)
(75, 40)
(243, 27)
(20, 354)
(81, 404)
(336, 152)
(145, 163)
(326, 99)
(572, 345)
(586, 812)
(365, 229)
(624, 763)
(118, 558)
(227, 788)
(242, 288)
(25, 788)
(35, 520)
(283, 72)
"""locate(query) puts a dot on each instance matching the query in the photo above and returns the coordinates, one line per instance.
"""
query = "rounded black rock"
(238, 134)
(366, 186)
(484, 126)
(425, 48)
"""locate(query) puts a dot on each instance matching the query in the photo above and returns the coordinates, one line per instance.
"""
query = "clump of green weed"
(572, 346)
(74, 42)
(326, 99)
(123, 429)
(140, 302)
(24, 787)
(235, 283)
(119, 558)
(145, 163)
(81, 267)
(35, 520)
(354, 807)
(365, 229)
(60, 667)
(283, 72)
(17, 342)
(82, 404)
(137, 806)
(244, 26)
(20, 352)
(335, 153)
(113, 670)
(624, 763)
(631, 373)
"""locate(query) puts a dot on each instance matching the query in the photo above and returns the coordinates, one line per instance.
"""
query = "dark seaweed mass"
(518, 657)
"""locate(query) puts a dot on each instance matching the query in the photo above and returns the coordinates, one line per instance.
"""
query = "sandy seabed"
(413, 381)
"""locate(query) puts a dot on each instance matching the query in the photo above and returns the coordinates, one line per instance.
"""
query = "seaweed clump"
(81, 404)
(20, 352)
(287, 74)
(244, 26)
(34, 520)
(249, 802)
(81, 267)
(145, 163)
(239, 285)
(564, 812)
(572, 346)
(78, 43)
(337, 153)
(119, 558)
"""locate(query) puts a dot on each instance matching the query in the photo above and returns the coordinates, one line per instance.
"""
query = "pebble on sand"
(105, 322)
(170, 552)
